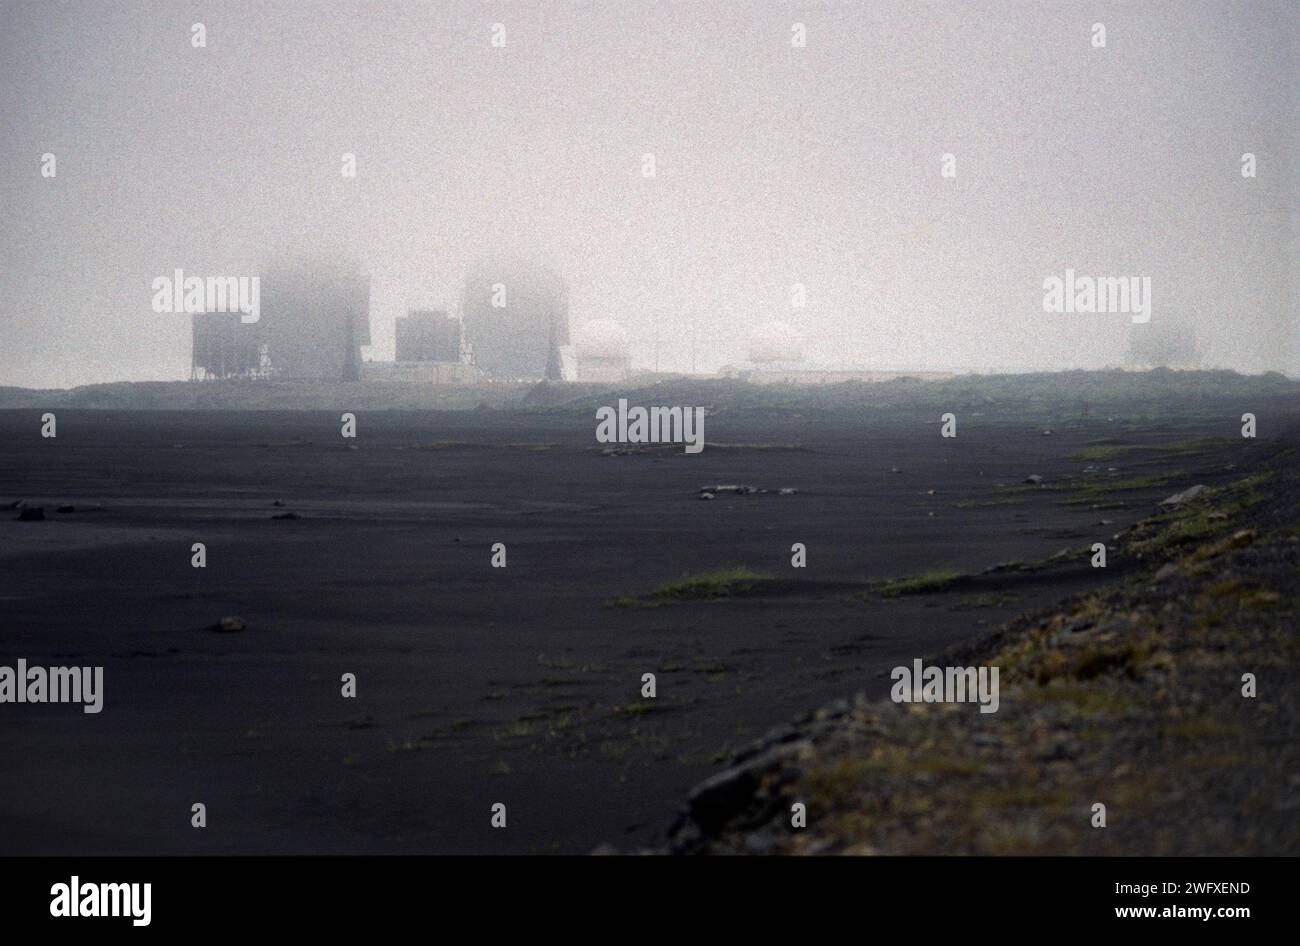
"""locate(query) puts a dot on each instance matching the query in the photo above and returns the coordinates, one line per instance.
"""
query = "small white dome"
(602, 338)
(775, 341)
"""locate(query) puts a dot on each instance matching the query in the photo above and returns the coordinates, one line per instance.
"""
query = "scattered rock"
(738, 489)
(31, 514)
(1166, 571)
(229, 624)
(718, 799)
(1033, 478)
(1186, 496)
(278, 502)
(1243, 537)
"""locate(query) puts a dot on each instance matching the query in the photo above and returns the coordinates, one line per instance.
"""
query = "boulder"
(718, 799)
(1186, 496)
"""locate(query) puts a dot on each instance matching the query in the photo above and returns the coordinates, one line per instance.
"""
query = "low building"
(224, 346)
(429, 335)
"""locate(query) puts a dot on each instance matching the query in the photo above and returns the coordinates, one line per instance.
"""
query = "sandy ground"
(479, 685)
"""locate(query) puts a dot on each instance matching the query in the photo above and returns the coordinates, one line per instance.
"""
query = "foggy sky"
(775, 165)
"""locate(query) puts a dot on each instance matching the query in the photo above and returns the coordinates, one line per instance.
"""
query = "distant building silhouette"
(225, 347)
(315, 318)
(429, 335)
(513, 338)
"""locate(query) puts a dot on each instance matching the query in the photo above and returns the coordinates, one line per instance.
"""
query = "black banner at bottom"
(169, 895)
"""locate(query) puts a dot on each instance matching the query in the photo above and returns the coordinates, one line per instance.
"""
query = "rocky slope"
(1131, 698)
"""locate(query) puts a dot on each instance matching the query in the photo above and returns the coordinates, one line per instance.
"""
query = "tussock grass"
(720, 584)
(918, 584)
(635, 709)
(1106, 451)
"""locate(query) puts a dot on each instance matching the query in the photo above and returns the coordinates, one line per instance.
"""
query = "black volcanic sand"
(519, 685)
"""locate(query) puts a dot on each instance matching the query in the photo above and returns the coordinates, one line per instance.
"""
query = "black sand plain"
(521, 685)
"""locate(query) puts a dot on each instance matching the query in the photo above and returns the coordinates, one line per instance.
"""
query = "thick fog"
(775, 164)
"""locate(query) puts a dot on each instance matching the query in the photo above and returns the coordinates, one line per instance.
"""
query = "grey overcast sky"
(775, 165)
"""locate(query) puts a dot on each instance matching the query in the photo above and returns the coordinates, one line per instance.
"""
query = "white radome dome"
(602, 338)
(775, 341)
